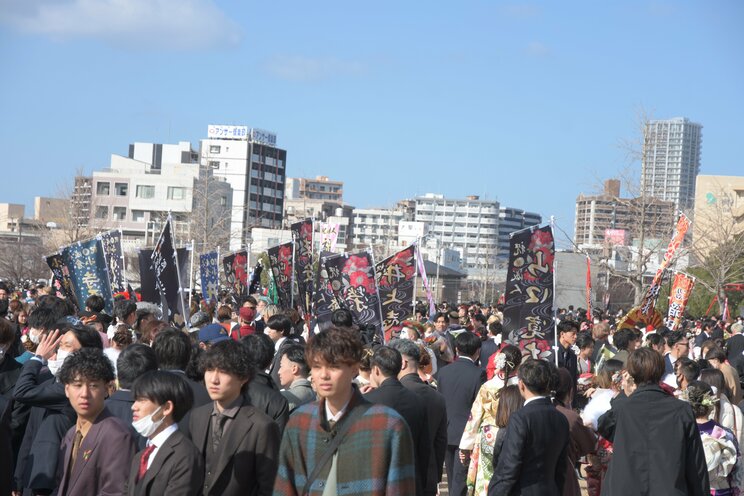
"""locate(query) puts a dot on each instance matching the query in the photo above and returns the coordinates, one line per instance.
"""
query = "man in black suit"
(173, 350)
(170, 464)
(261, 391)
(239, 443)
(134, 360)
(433, 403)
(489, 346)
(534, 453)
(386, 364)
(278, 328)
(459, 383)
(567, 332)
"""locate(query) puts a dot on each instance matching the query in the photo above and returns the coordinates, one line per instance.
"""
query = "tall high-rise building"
(251, 163)
(671, 160)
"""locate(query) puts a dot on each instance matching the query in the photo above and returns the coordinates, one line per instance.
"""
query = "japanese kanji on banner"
(114, 256)
(324, 301)
(61, 281)
(328, 236)
(352, 279)
(649, 300)
(164, 266)
(302, 232)
(209, 274)
(281, 260)
(528, 305)
(236, 272)
(395, 280)
(680, 293)
(88, 274)
(589, 314)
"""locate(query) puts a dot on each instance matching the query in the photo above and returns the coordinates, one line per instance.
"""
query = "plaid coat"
(375, 458)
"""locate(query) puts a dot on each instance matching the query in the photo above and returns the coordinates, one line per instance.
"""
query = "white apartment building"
(136, 192)
(469, 226)
(511, 220)
(255, 168)
(671, 161)
(377, 228)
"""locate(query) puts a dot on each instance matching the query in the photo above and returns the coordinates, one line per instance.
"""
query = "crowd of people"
(247, 399)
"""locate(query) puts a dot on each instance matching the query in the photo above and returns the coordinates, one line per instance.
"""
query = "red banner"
(678, 296)
(589, 289)
(649, 301)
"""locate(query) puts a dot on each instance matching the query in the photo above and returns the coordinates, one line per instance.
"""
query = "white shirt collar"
(279, 343)
(533, 399)
(466, 358)
(159, 440)
(339, 414)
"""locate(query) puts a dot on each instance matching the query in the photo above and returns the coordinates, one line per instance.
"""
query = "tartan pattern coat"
(375, 458)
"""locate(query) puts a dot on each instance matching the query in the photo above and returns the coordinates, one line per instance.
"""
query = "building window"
(103, 189)
(223, 201)
(214, 148)
(121, 189)
(214, 164)
(102, 212)
(176, 193)
(120, 213)
(145, 191)
(138, 215)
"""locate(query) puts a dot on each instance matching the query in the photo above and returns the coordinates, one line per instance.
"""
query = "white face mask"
(35, 338)
(146, 426)
(55, 365)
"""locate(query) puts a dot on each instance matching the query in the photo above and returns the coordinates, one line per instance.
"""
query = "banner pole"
(415, 277)
(555, 308)
(292, 283)
(191, 276)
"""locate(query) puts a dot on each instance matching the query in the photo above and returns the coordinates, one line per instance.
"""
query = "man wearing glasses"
(679, 346)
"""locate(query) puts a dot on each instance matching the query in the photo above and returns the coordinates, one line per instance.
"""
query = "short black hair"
(480, 318)
(48, 311)
(133, 361)
(260, 349)
(467, 343)
(622, 338)
(388, 360)
(229, 356)
(537, 375)
(674, 337)
(495, 328)
(567, 326)
(716, 353)
(342, 318)
(124, 308)
(281, 323)
(654, 339)
(296, 355)
(438, 315)
(689, 369)
(160, 387)
(173, 349)
(87, 336)
(406, 347)
(95, 303)
(88, 363)
(584, 340)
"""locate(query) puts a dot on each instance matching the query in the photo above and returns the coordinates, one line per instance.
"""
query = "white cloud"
(537, 49)
(520, 10)
(308, 69)
(159, 24)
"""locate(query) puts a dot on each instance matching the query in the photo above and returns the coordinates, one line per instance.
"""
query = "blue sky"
(526, 103)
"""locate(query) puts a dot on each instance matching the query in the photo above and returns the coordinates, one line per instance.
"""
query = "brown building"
(320, 188)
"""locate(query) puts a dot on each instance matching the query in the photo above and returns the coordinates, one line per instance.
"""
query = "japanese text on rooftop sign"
(263, 137)
(227, 132)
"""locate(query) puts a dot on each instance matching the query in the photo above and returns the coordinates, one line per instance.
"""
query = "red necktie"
(143, 461)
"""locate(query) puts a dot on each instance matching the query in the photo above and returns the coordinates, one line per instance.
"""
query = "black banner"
(302, 233)
(324, 301)
(235, 266)
(114, 256)
(528, 306)
(61, 281)
(163, 263)
(352, 279)
(280, 258)
(395, 277)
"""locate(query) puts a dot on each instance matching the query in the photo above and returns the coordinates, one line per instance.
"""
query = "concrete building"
(608, 218)
(377, 228)
(320, 188)
(511, 220)
(719, 211)
(136, 195)
(469, 226)
(249, 160)
(671, 160)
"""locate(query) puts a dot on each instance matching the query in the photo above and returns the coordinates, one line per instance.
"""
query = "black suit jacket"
(274, 368)
(264, 395)
(488, 348)
(437, 414)
(10, 371)
(533, 458)
(393, 394)
(459, 383)
(120, 405)
(247, 457)
(176, 470)
(6, 447)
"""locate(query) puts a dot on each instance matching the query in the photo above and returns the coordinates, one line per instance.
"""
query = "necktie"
(143, 461)
(75, 448)
(217, 428)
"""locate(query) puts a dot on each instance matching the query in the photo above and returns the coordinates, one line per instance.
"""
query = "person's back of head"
(95, 303)
(224, 314)
(509, 402)
(124, 309)
(701, 398)
(260, 348)
(622, 338)
(281, 323)
(342, 318)
(715, 378)
(408, 349)
(161, 387)
(45, 315)
(172, 348)
(537, 376)
(388, 360)
(7, 336)
(134, 361)
(645, 366)
(467, 344)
